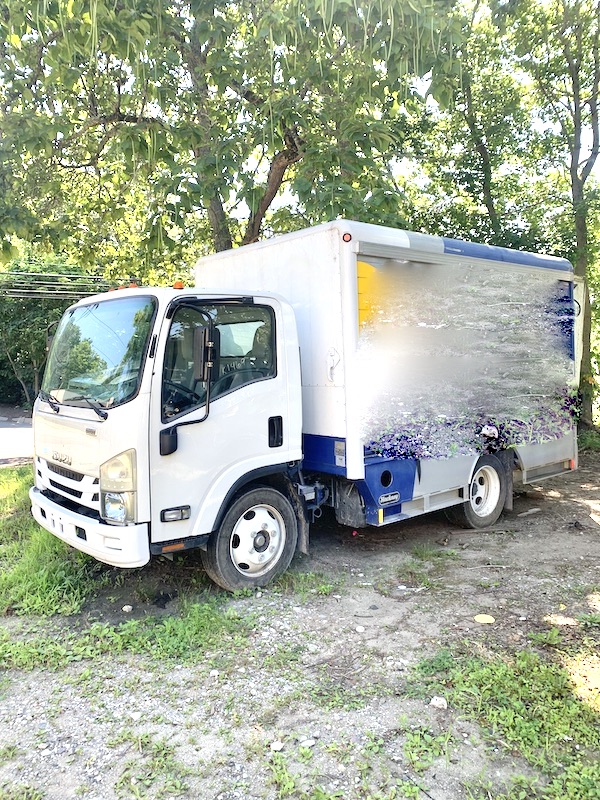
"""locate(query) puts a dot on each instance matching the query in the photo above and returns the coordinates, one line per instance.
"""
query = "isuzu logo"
(62, 458)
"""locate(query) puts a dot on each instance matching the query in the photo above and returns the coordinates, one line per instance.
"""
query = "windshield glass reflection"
(98, 351)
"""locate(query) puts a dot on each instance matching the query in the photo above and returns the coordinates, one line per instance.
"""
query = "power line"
(59, 285)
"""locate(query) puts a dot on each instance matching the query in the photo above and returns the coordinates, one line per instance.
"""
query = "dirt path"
(318, 700)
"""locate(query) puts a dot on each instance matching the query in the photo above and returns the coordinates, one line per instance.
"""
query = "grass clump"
(38, 573)
(588, 440)
(529, 706)
(200, 627)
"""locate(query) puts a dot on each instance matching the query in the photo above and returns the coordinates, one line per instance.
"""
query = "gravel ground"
(315, 704)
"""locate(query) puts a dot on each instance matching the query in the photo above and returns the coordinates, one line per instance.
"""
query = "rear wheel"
(487, 493)
(255, 543)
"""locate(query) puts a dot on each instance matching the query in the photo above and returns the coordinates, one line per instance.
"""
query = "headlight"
(118, 489)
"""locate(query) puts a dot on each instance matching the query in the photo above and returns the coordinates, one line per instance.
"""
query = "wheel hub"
(261, 541)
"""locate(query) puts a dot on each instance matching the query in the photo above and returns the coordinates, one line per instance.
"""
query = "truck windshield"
(97, 353)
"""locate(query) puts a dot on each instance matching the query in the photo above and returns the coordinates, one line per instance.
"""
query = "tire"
(255, 543)
(487, 494)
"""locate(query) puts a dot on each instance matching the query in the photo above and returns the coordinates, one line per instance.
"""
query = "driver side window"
(180, 391)
(244, 338)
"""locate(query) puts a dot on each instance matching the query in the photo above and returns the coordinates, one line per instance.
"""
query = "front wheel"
(255, 543)
(487, 493)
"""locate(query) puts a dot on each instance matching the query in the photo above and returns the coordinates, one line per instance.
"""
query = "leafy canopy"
(204, 113)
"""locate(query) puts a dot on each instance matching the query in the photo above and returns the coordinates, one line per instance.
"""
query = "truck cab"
(158, 408)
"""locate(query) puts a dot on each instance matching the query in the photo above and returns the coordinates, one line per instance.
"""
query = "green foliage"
(38, 573)
(589, 440)
(529, 705)
(26, 322)
(144, 119)
(153, 767)
(422, 747)
(20, 793)
(200, 627)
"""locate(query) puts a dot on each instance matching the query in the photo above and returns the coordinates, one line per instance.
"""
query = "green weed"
(527, 705)
(422, 747)
(589, 440)
(8, 753)
(287, 784)
(200, 626)
(20, 793)
(38, 573)
(427, 552)
(589, 620)
(303, 584)
(154, 767)
(550, 638)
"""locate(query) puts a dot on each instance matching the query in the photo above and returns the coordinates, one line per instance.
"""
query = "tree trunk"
(586, 381)
(18, 377)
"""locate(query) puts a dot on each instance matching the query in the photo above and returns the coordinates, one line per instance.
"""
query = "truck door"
(246, 426)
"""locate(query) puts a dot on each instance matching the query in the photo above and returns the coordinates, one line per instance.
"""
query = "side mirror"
(168, 441)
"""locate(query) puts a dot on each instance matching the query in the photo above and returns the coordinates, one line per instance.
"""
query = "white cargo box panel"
(317, 276)
(397, 329)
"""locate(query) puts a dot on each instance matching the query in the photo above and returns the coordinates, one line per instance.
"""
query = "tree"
(25, 324)
(483, 171)
(213, 109)
(558, 44)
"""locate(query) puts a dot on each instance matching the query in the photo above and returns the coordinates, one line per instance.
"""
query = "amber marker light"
(178, 285)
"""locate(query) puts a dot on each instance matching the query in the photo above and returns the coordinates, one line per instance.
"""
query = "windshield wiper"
(51, 400)
(101, 413)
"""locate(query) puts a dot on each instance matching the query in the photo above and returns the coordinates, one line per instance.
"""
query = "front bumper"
(126, 546)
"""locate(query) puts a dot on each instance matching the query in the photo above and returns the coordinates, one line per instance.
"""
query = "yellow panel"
(368, 291)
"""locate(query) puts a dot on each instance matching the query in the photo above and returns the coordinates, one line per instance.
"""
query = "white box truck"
(380, 372)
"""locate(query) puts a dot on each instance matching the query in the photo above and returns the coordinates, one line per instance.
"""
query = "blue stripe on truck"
(494, 253)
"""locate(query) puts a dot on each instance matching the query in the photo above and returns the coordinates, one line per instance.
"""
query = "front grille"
(72, 486)
(64, 472)
(66, 489)
(72, 506)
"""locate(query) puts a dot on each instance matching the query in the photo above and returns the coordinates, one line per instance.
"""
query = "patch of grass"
(38, 573)
(20, 793)
(288, 785)
(8, 753)
(199, 627)
(589, 620)
(529, 706)
(589, 440)
(153, 767)
(428, 552)
(422, 747)
(550, 638)
(303, 584)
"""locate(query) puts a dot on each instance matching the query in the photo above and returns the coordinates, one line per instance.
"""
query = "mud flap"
(506, 457)
(301, 511)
